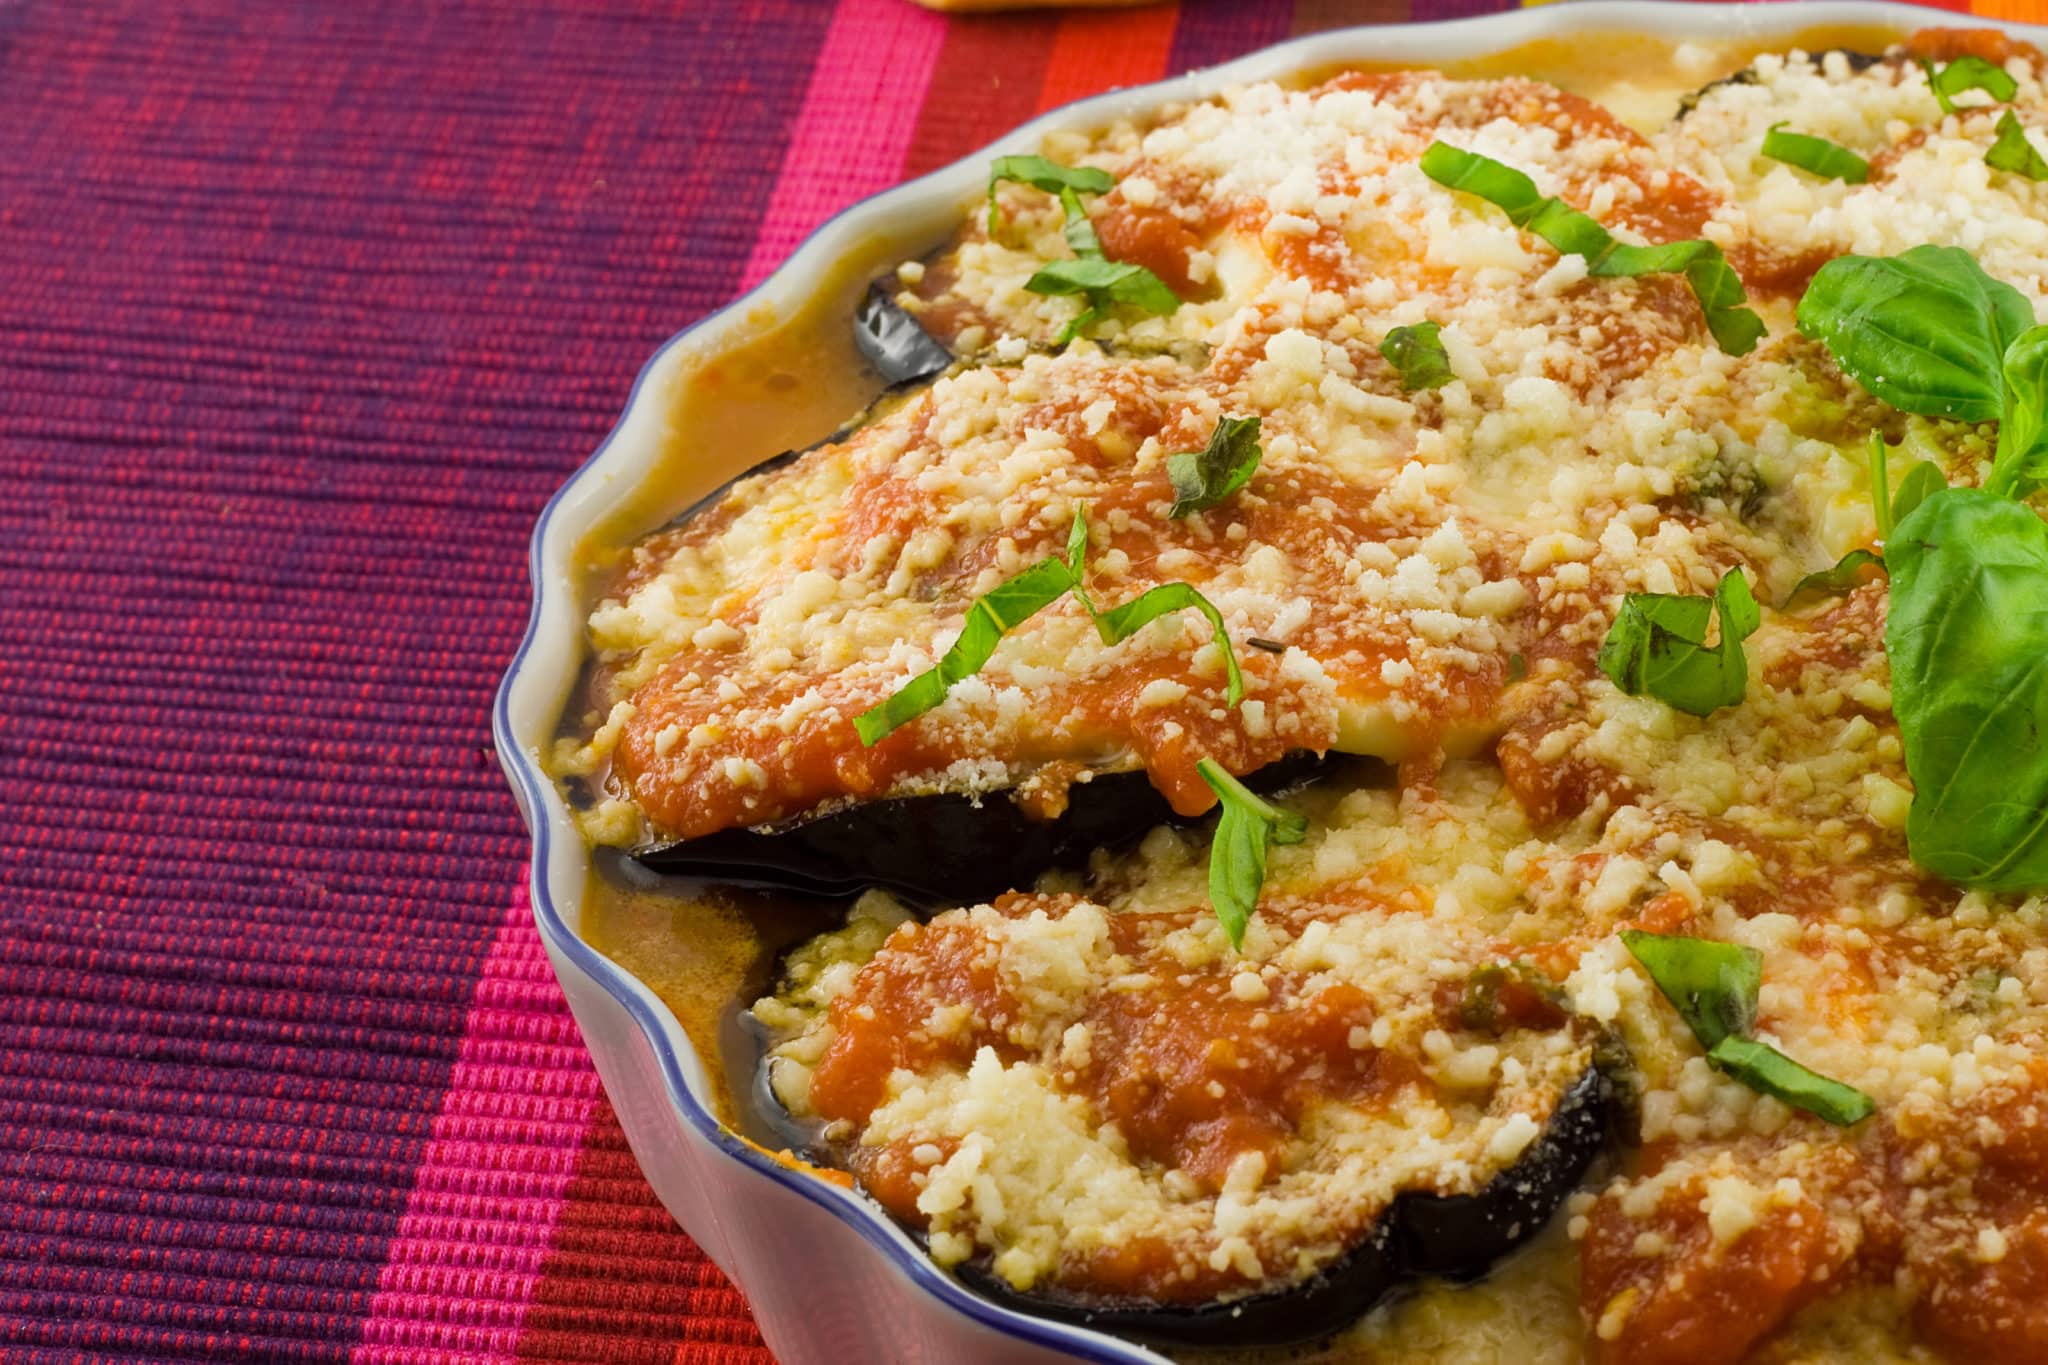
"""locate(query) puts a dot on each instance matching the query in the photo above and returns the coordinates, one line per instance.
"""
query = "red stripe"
(1098, 50)
(624, 1285)
(990, 72)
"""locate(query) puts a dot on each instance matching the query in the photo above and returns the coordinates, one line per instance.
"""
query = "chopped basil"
(1417, 352)
(1049, 176)
(1926, 330)
(1237, 855)
(1968, 73)
(1011, 603)
(1829, 160)
(1657, 645)
(1079, 232)
(1845, 576)
(2014, 152)
(993, 615)
(1714, 987)
(1103, 284)
(1768, 1071)
(1518, 668)
(1715, 284)
(1967, 634)
(1203, 478)
(1121, 623)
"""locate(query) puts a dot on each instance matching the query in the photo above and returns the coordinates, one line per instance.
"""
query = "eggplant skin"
(1456, 1237)
(1317, 1308)
(1858, 61)
(892, 341)
(938, 850)
(1460, 1236)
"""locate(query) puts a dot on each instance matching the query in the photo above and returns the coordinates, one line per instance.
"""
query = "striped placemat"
(304, 311)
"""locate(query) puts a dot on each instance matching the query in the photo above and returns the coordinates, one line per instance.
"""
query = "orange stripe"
(1099, 49)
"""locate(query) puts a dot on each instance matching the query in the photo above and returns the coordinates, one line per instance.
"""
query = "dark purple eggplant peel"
(1423, 1235)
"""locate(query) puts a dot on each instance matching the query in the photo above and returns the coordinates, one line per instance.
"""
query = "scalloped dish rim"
(536, 682)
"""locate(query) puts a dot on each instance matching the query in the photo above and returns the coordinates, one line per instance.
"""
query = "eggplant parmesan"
(1429, 701)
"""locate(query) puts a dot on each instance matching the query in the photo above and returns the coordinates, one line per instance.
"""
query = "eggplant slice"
(1858, 61)
(1457, 1237)
(945, 849)
(893, 342)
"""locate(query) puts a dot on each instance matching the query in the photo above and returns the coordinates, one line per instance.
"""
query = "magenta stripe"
(858, 115)
(481, 1217)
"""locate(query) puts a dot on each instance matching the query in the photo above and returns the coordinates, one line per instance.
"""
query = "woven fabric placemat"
(304, 311)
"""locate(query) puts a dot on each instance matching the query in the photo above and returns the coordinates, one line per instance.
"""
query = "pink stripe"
(854, 131)
(481, 1217)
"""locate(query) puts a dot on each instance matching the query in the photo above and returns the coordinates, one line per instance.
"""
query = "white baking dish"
(831, 1278)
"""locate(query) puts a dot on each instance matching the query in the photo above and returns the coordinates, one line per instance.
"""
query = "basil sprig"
(1417, 353)
(1203, 478)
(1103, 283)
(1016, 600)
(1967, 634)
(1714, 282)
(1237, 855)
(1050, 176)
(1967, 628)
(1657, 645)
(2014, 152)
(1968, 73)
(1714, 988)
(1817, 155)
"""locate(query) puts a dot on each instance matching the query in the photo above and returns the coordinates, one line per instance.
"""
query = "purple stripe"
(1213, 31)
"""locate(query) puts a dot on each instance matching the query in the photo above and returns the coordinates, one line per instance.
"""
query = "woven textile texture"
(304, 311)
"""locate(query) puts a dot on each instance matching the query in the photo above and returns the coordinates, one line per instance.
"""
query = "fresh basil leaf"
(1079, 232)
(1114, 281)
(1076, 325)
(1921, 482)
(1714, 283)
(1103, 283)
(1049, 176)
(1926, 330)
(1968, 73)
(991, 616)
(1417, 353)
(2014, 152)
(1845, 576)
(1817, 155)
(1967, 634)
(1206, 477)
(1237, 855)
(1713, 986)
(1768, 1071)
(1657, 646)
(2020, 464)
(1121, 623)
